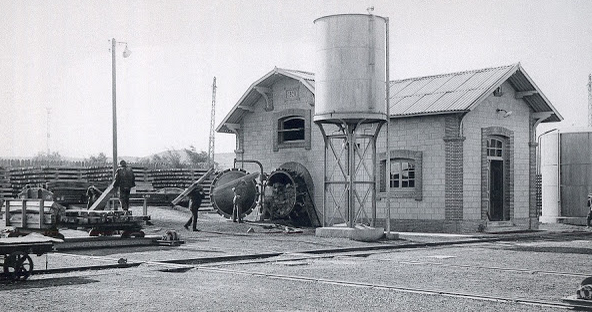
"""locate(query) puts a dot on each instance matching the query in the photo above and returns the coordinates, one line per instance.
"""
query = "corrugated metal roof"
(444, 93)
(462, 91)
(439, 94)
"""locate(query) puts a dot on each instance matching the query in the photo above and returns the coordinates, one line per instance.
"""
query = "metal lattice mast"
(590, 100)
(212, 125)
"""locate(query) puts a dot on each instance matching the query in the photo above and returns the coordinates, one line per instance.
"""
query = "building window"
(495, 148)
(290, 129)
(405, 178)
(402, 173)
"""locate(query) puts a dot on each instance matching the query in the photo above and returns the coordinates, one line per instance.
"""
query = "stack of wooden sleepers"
(180, 178)
(68, 192)
(39, 176)
(103, 175)
(5, 188)
(83, 218)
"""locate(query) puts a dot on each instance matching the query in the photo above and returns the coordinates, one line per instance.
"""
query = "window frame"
(401, 156)
(401, 179)
(277, 127)
(282, 130)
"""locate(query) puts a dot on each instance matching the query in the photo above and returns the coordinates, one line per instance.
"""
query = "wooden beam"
(522, 94)
(263, 90)
(541, 116)
(267, 94)
(233, 126)
(247, 108)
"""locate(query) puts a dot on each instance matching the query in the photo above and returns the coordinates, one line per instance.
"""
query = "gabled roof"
(463, 91)
(432, 95)
(249, 99)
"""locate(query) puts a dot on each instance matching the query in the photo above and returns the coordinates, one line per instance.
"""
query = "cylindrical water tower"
(350, 109)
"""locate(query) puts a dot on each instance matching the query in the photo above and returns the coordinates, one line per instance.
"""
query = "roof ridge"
(454, 73)
(296, 70)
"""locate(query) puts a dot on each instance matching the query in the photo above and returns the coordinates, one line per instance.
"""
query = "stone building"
(462, 145)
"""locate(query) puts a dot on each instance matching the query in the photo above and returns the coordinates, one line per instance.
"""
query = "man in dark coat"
(92, 193)
(240, 193)
(124, 180)
(195, 198)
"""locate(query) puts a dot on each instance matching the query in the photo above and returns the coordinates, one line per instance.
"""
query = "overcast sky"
(55, 55)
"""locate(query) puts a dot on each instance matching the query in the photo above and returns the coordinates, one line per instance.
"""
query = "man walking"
(125, 180)
(195, 198)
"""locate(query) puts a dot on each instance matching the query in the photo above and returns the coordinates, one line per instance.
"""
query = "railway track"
(436, 292)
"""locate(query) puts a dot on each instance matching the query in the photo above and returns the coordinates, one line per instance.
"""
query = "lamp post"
(126, 53)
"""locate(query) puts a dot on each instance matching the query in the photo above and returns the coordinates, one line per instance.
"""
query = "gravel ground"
(141, 289)
(290, 281)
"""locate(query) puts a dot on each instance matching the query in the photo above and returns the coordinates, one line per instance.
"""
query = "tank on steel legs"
(350, 109)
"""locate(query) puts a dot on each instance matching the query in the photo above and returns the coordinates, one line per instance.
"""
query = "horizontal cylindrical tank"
(222, 195)
(350, 73)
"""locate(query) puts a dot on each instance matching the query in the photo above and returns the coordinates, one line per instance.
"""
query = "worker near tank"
(267, 203)
(589, 217)
(124, 180)
(195, 198)
(92, 193)
(240, 192)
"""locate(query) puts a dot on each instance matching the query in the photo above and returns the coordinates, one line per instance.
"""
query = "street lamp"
(126, 53)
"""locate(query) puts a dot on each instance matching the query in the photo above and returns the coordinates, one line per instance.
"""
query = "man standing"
(195, 198)
(240, 191)
(125, 180)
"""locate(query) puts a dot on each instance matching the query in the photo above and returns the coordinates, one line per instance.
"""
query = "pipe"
(388, 148)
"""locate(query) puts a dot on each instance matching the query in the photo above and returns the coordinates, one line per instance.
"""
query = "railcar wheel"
(18, 266)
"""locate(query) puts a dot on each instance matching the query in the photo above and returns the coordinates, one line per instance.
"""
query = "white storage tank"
(351, 68)
(549, 151)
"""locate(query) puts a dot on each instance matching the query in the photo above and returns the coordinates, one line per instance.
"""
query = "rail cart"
(104, 222)
(25, 216)
(16, 263)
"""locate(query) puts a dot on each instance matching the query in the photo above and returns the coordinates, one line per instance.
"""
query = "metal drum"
(221, 192)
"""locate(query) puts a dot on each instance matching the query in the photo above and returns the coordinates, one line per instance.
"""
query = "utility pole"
(212, 126)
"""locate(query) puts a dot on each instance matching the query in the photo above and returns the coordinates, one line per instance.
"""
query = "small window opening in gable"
(291, 129)
(498, 91)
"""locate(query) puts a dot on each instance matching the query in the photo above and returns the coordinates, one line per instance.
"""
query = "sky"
(56, 74)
